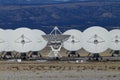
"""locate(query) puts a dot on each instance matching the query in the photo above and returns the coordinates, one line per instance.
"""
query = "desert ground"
(59, 70)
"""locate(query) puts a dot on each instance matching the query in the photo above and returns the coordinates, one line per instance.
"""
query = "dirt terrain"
(65, 70)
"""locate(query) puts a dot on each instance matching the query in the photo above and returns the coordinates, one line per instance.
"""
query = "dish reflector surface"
(115, 39)
(2, 40)
(38, 41)
(95, 39)
(74, 41)
(9, 40)
(23, 38)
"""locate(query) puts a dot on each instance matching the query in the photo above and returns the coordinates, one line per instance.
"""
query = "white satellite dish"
(9, 40)
(55, 40)
(114, 39)
(38, 41)
(74, 41)
(23, 40)
(95, 39)
(2, 40)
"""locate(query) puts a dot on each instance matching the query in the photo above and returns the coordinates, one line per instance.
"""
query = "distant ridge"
(49, 1)
(67, 15)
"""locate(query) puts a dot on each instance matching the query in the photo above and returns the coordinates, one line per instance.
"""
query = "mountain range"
(48, 1)
(80, 15)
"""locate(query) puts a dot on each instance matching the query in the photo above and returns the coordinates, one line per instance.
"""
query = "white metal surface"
(95, 39)
(9, 40)
(2, 40)
(74, 41)
(114, 39)
(23, 40)
(38, 41)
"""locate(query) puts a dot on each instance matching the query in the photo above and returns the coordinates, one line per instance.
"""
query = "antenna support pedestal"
(94, 57)
(115, 53)
(73, 54)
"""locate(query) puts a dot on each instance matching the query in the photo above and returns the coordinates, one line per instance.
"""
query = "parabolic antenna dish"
(23, 38)
(9, 40)
(95, 39)
(54, 38)
(2, 40)
(38, 41)
(74, 41)
(114, 39)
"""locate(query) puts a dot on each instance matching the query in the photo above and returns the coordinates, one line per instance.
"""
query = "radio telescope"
(8, 51)
(95, 40)
(55, 40)
(73, 44)
(38, 42)
(23, 40)
(115, 41)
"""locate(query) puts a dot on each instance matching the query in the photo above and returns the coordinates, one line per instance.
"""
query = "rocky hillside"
(48, 1)
(78, 15)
